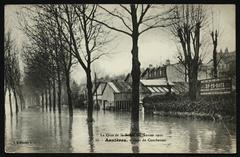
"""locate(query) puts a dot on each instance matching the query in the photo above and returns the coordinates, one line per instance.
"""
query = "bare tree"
(47, 36)
(62, 48)
(38, 55)
(187, 27)
(85, 37)
(7, 61)
(36, 68)
(62, 51)
(215, 34)
(11, 70)
(133, 21)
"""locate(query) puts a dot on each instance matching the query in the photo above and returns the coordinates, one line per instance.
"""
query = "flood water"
(35, 131)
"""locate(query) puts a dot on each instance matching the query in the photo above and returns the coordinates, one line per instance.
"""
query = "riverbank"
(206, 108)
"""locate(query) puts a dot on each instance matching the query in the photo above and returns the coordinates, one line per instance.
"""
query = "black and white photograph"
(120, 78)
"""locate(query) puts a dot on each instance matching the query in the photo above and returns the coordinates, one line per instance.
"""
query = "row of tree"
(12, 75)
(47, 56)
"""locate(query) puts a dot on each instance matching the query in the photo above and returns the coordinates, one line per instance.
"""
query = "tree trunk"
(215, 61)
(134, 138)
(37, 98)
(46, 99)
(135, 68)
(193, 82)
(50, 98)
(95, 82)
(5, 91)
(54, 96)
(215, 43)
(135, 84)
(42, 101)
(90, 95)
(69, 93)
(91, 137)
(21, 100)
(16, 101)
(10, 102)
(59, 91)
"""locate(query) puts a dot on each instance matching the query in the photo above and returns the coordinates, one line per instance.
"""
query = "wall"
(108, 96)
(123, 101)
(123, 96)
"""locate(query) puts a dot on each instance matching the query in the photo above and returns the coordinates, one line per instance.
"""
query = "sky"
(155, 46)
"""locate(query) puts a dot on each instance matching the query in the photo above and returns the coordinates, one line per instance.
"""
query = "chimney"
(150, 66)
(221, 51)
(226, 50)
(167, 62)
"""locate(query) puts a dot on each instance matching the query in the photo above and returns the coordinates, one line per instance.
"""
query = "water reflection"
(135, 136)
(70, 132)
(60, 128)
(90, 135)
(51, 132)
(193, 139)
(218, 138)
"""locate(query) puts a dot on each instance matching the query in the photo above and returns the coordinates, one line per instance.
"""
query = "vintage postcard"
(120, 78)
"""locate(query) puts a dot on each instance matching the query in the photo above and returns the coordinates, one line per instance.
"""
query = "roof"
(112, 85)
(128, 75)
(122, 86)
(98, 85)
(157, 89)
(156, 82)
(144, 72)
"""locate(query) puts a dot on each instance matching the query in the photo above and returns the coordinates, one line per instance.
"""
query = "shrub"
(224, 105)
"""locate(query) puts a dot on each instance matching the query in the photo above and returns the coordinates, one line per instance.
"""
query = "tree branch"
(125, 8)
(119, 17)
(97, 57)
(143, 12)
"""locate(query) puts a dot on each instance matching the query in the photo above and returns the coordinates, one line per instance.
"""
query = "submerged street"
(37, 131)
(120, 78)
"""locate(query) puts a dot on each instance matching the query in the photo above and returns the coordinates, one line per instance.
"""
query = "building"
(98, 92)
(157, 80)
(173, 72)
(162, 79)
(226, 64)
(169, 77)
(116, 95)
